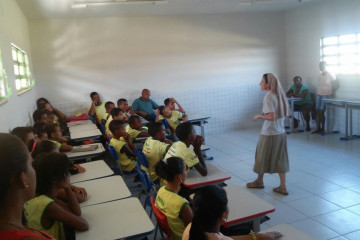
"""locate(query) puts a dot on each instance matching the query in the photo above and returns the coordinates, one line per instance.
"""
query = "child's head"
(135, 122)
(165, 111)
(26, 135)
(40, 130)
(95, 97)
(45, 146)
(50, 116)
(157, 130)
(169, 103)
(186, 132)
(108, 106)
(40, 116)
(171, 169)
(41, 102)
(53, 131)
(210, 207)
(123, 104)
(117, 128)
(116, 114)
(52, 169)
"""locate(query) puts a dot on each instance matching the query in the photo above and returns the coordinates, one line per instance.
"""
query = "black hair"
(21, 132)
(115, 124)
(297, 77)
(184, 130)
(51, 128)
(169, 168)
(120, 101)
(92, 94)
(210, 202)
(265, 76)
(38, 114)
(115, 112)
(39, 103)
(44, 146)
(133, 118)
(48, 112)
(154, 128)
(13, 160)
(161, 109)
(49, 167)
(167, 101)
(39, 129)
(107, 104)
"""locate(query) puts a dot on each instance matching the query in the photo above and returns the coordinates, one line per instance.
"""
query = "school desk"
(88, 155)
(104, 190)
(85, 135)
(292, 106)
(199, 120)
(215, 176)
(289, 232)
(82, 122)
(82, 127)
(245, 207)
(95, 169)
(123, 218)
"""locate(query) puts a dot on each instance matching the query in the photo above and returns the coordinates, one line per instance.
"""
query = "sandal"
(254, 184)
(280, 190)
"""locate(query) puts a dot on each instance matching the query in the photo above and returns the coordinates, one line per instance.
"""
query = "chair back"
(112, 151)
(165, 123)
(143, 177)
(141, 158)
(160, 219)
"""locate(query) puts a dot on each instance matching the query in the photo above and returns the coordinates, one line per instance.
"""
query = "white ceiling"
(52, 9)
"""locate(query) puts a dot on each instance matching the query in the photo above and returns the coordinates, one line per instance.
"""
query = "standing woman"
(271, 151)
(17, 185)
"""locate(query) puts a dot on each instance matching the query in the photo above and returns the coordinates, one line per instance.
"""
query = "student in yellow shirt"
(97, 108)
(135, 128)
(46, 212)
(108, 107)
(125, 149)
(59, 117)
(170, 103)
(155, 147)
(40, 116)
(115, 114)
(176, 208)
(55, 135)
(193, 158)
(127, 110)
(172, 117)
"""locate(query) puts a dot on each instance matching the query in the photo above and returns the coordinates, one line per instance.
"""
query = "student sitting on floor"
(55, 135)
(46, 212)
(155, 147)
(125, 149)
(115, 114)
(26, 135)
(176, 208)
(170, 103)
(172, 117)
(193, 158)
(97, 108)
(127, 110)
(108, 107)
(135, 128)
(40, 116)
(39, 129)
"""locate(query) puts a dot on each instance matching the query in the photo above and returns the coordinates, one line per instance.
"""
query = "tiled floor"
(323, 182)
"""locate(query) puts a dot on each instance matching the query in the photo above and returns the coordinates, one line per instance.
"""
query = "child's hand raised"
(126, 136)
(198, 141)
(157, 112)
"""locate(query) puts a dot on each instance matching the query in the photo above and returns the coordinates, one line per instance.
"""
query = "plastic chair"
(146, 185)
(161, 221)
(144, 162)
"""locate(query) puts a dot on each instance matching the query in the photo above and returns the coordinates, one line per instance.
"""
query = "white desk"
(292, 105)
(85, 135)
(104, 190)
(214, 176)
(88, 155)
(82, 127)
(245, 207)
(96, 169)
(289, 232)
(113, 220)
(74, 123)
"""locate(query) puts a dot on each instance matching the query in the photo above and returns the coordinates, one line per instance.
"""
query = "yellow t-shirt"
(100, 111)
(126, 163)
(154, 151)
(56, 119)
(179, 149)
(107, 124)
(173, 120)
(57, 143)
(132, 132)
(171, 204)
(106, 116)
(34, 209)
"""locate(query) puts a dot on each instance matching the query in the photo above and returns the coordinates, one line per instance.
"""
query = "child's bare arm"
(178, 104)
(185, 118)
(157, 113)
(143, 133)
(65, 148)
(92, 109)
(62, 117)
(201, 167)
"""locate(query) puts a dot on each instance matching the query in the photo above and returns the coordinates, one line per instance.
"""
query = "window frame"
(5, 89)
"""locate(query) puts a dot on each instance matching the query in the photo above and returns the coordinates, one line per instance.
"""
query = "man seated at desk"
(299, 90)
(144, 106)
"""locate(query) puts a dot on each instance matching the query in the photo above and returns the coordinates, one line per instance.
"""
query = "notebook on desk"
(84, 148)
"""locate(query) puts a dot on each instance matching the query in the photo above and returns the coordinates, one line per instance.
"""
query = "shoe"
(280, 190)
(316, 131)
(254, 184)
(308, 129)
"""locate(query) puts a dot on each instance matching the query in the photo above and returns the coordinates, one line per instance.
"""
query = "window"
(23, 77)
(5, 90)
(341, 53)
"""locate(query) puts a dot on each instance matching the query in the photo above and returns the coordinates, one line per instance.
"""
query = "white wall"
(172, 56)
(14, 29)
(303, 28)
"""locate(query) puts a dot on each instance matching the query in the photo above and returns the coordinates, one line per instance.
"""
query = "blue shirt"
(147, 106)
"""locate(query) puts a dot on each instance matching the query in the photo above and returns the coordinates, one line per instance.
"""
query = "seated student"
(155, 147)
(176, 208)
(172, 117)
(170, 103)
(210, 212)
(17, 185)
(127, 110)
(39, 129)
(144, 106)
(97, 108)
(108, 107)
(193, 158)
(135, 128)
(40, 116)
(26, 135)
(115, 114)
(300, 90)
(51, 117)
(59, 117)
(46, 212)
(125, 149)
(55, 135)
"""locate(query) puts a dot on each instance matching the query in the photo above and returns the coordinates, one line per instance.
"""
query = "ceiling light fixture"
(86, 3)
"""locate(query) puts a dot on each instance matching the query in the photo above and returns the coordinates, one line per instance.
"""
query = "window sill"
(23, 91)
(3, 101)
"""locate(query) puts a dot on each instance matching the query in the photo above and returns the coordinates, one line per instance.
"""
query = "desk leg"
(256, 225)
(346, 121)
(202, 123)
(292, 117)
(327, 127)
(351, 123)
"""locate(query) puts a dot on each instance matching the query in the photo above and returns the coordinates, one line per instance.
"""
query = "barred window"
(23, 77)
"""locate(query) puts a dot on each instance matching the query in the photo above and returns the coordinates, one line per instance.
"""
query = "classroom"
(209, 55)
